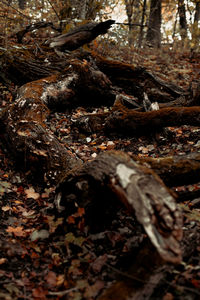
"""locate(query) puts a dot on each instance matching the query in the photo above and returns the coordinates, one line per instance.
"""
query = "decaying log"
(114, 174)
(28, 64)
(136, 81)
(111, 175)
(23, 122)
(132, 122)
(98, 184)
(129, 121)
(175, 170)
(28, 138)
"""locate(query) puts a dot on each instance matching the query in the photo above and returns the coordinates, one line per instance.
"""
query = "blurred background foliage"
(172, 24)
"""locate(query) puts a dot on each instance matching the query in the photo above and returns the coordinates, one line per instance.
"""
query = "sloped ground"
(46, 255)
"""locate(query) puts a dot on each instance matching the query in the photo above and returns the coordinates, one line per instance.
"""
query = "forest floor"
(47, 255)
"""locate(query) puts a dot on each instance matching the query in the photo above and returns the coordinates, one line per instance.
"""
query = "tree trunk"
(129, 11)
(142, 24)
(80, 9)
(113, 175)
(182, 20)
(153, 37)
(195, 27)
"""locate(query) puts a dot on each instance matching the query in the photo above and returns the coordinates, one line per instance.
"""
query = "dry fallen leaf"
(6, 208)
(3, 260)
(51, 279)
(17, 231)
(31, 193)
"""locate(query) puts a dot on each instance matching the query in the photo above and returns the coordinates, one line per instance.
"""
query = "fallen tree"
(113, 175)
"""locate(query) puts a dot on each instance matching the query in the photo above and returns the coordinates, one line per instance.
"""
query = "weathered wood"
(175, 170)
(111, 174)
(114, 174)
(130, 121)
(28, 64)
(28, 138)
(135, 81)
(133, 122)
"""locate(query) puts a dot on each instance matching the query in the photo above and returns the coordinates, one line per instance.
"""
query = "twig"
(53, 9)
(62, 293)
(131, 24)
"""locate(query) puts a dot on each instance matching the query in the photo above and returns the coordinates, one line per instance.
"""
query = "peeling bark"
(114, 174)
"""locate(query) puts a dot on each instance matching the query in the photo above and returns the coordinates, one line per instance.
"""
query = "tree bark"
(175, 170)
(182, 20)
(153, 37)
(132, 122)
(113, 175)
(142, 24)
(195, 27)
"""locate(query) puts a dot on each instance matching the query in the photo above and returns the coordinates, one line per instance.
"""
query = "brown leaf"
(17, 231)
(99, 263)
(71, 220)
(31, 193)
(40, 293)
(51, 279)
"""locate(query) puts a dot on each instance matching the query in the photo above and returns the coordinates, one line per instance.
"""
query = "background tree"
(195, 27)
(142, 23)
(182, 20)
(153, 37)
(135, 11)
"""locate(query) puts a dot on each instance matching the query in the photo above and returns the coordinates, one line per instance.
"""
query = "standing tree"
(195, 27)
(182, 20)
(142, 23)
(153, 37)
(129, 11)
(81, 9)
(135, 11)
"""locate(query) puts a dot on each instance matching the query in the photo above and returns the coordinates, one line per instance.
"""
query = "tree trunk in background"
(22, 4)
(182, 19)
(153, 37)
(142, 24)
(195, 29)
(136, 20)
(129, 11)
(197, 12)
(80, 9)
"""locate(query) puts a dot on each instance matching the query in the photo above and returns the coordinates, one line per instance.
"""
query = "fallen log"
(29, 140)
(129, 121)
(28, 64)
(23, 125)
(136, 81)
(113, 175)
(174, 170)
(122, 120)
